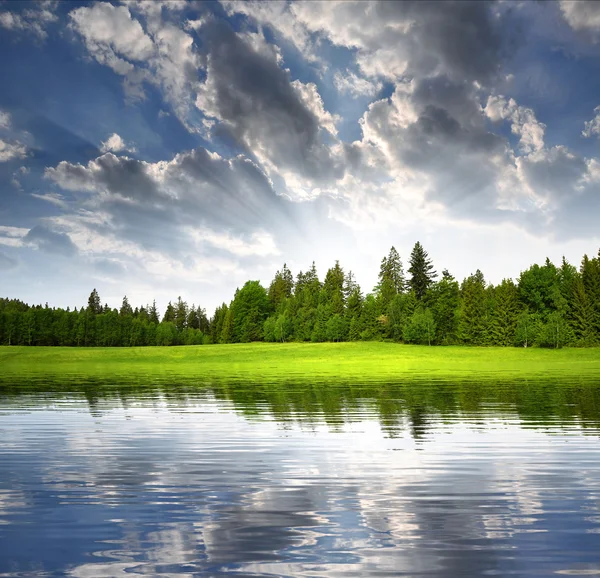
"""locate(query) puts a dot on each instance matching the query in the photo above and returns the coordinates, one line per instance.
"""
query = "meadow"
(371, 361)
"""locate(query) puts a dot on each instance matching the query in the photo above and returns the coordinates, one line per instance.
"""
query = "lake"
(185, 477)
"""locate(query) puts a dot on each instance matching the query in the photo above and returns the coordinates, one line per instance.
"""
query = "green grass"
(294, 361)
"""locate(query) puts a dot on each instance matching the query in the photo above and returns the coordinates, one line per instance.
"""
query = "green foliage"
(420, 327)
(474, 319)
(555, 332)
(337, 328)
(249, 310)
(549, 307)
(399, 312)
(443, 298)
(505, 313)
(539, 289)
(527, 329)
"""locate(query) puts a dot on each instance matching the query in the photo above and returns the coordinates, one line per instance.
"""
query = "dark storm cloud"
(50, 241)
(252, 95)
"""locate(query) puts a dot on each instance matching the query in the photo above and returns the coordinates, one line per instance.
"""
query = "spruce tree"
(505, 314)
(421, 271)
(181, 313)
(94, 306)
(473, 317)
(590, 273)
(126, 310)
(581, 315)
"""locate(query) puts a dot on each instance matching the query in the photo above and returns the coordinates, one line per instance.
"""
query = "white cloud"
(582, 14)
(523, 122)
(114, 143)
(12, 236)
(11, 151)
(162, 55)
(33, 20)
(4, 119)
(53, 198)
(110, 33)
(592, 127)
(355, 85)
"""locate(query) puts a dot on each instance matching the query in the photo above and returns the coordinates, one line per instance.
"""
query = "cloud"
(53, 198)
(583, 15)
(392, 39)
(163, 55)
(164, 205)
(592, 127)
(523, 122)
(355, 85)
(11, 151)
(278, 121)
(34, 19)
(12, 236)
(112, 35)
(114, 143)
(50, 241)
(4, 120)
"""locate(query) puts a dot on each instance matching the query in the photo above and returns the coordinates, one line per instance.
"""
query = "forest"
(547, 306)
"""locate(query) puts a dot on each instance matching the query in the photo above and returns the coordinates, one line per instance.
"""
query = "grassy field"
(294, 361)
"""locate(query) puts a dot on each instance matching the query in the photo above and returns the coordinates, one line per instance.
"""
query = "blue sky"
(162, 149)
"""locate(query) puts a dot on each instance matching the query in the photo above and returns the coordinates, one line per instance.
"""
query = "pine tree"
(181, 313)
(228, 327)
(505, 314)
(169, 316)
(444, 301)
(94, 306)
(581, 314)
(590, 273)
(421, 270)
(473, 324)
(126, 310)
(153, 313)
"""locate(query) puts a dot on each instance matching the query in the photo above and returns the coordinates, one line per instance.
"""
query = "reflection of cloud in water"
(203, 489)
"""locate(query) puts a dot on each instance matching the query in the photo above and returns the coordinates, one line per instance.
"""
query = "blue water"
(311, 480)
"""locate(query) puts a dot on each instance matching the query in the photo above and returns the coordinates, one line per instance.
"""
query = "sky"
(165, 149)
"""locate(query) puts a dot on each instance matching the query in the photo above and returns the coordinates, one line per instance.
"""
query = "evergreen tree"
(333, 289)
(505, 314)
(94, 305)
(399, 311)
(181, 314)
(473, 325)
(227, 332)
(153, 313)
(126, 310)
(193, 321)
(421, 271)
(590, 273)
(169, 316)
(581, 315)
(444, 302)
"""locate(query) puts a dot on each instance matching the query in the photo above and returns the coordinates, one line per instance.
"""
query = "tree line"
(547, 306)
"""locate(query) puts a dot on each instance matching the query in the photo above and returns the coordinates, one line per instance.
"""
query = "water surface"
(189, 478)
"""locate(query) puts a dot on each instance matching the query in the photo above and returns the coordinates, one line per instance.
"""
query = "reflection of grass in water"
(282, 362)
(414, 403)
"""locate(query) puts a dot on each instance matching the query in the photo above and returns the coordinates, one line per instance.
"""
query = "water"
(190, 478)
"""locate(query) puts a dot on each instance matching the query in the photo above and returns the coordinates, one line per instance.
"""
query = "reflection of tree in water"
(398, 406)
